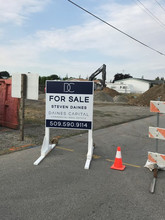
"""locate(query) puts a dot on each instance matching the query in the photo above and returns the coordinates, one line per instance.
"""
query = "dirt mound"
(101, 96)
(105, 95)
(152, 94)
(120, 98)
(110, 92)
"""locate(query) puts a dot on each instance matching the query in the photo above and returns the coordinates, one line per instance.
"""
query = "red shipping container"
(9, 107)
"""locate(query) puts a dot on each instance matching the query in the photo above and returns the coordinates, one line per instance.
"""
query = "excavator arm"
(99, 70)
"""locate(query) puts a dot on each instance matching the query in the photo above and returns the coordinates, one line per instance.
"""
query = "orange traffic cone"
(118, 161)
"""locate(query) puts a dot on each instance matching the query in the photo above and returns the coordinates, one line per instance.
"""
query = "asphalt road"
(59, 188)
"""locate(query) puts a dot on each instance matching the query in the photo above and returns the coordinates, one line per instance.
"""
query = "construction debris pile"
(110, 95)
(110, 92)
(154, 94)
(105, 95)
(121, 99)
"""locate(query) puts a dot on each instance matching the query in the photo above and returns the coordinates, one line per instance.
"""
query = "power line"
(151, 14)
(115, 28)
(148, 12)
(160, 5)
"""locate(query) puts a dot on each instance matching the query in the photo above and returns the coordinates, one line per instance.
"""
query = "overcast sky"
(55, 37)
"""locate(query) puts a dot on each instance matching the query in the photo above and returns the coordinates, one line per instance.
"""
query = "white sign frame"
(65, 95)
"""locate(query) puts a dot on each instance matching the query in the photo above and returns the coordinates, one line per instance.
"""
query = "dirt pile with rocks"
(153, 93)
(102, 97)
(105, 95)
(120, 99)
(110, 92)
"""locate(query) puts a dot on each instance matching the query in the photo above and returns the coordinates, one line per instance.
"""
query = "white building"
(131, 85)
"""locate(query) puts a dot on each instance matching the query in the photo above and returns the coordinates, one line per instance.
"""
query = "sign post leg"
(46, 147)
(90, 149)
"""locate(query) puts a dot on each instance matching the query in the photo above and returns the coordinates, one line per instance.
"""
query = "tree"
(120, 76)
(54, 77)
(42, 79)
(66, 77)
(4, 75)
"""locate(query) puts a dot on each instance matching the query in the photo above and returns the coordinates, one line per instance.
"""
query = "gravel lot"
(105, 114)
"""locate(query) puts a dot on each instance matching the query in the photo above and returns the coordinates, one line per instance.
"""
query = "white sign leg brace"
(90, 150)
(46, 147)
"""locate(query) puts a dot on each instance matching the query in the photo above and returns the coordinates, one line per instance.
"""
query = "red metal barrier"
(9, 107)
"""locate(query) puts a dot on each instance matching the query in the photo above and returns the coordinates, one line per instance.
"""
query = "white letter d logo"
(68, 87)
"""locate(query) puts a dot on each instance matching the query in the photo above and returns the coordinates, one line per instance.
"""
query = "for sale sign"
(69, 104)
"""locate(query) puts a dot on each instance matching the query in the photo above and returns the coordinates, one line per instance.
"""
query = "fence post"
(22, 105)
